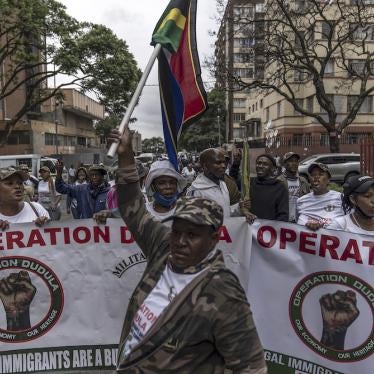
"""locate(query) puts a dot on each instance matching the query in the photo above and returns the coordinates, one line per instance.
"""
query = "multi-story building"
(270, 116)
(238, 55)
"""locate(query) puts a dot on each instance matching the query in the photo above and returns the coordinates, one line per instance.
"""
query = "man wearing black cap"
(318, 208)
(358, 204)
(297, 186)
(269, 196)
(189, 313)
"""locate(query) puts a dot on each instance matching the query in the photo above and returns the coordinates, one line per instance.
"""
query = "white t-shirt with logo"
(321, 208)
(346, 223)
(26, 214)
(293, 195)
(169, 285)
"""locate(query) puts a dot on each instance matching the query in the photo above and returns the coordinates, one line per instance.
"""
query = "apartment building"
(271, 117)
(238, 59)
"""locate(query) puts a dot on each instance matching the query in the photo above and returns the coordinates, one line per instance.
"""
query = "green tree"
(153, 145)
(205, 132)
(39, 40)
(323, 48)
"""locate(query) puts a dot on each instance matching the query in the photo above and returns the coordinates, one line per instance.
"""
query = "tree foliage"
(39, 40)
(204, 133)
(153, 145)
(306, 44)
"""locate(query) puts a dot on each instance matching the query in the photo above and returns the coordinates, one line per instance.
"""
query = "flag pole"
(125, 121)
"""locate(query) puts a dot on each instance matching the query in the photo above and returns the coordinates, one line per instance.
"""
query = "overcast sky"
(134, 21)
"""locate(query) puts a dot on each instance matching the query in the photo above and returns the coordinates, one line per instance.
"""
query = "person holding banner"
(189, 313)
(321, 206)
(358, 204)
(13, 208)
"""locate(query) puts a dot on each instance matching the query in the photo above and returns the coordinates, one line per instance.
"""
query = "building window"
(278, 109)
(243, 11)
(49, 139)
(300, 75)
(239, 103)
(309, 104)
(243, 73)
(358, 67)
(326, 30)
(359, 32)
(267, 115)
(366, 106)
(81, 141)
(238, 117)
(300, 103)
(243, 57)
(243, 42)
(329, 68)
(261, 103)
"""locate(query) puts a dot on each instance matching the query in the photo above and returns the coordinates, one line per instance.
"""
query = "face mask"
(164, 201)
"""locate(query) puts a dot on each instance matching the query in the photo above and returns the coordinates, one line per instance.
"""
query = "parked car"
(341, 165)
(146, 158)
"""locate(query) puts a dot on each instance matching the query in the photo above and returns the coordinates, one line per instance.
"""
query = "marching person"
(91, 197)
(31, 183)
(47, 194)
(358, 205)
(189, 173)
(189, 313)
(321, 206)
(211, 183)
(297, 185)
(81, 177)
(269, 196)
(13, 208)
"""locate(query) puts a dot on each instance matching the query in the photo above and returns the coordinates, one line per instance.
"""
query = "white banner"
(63, 306)
(312, 298)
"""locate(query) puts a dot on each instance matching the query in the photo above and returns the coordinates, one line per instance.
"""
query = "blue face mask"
(164, 201)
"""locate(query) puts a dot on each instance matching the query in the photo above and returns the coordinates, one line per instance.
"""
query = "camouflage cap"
(319, 166)
(7, 172)
(289, 155)
(100, 168)
(199, 211)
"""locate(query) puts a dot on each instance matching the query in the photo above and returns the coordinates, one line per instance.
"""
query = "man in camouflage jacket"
(208, 326)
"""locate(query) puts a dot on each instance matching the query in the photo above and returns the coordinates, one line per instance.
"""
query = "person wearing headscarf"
(163, 186)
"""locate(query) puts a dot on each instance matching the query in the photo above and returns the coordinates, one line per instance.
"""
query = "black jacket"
(269, 199)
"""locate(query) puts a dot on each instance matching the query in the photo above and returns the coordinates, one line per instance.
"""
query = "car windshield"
(308, 160)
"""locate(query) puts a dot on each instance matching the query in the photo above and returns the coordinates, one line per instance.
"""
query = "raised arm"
(148, 233)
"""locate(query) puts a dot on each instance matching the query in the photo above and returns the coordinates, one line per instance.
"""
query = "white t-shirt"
(293, 195)
(189, 174)
(26, 214)
(346, 223)
(44, 194)
(321, 208)
(169, 285)
(157, 215)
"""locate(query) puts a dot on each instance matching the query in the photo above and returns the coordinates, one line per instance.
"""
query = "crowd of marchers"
(189, 313)
(277, 192)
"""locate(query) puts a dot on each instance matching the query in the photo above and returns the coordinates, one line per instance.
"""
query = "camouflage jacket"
(207, 328)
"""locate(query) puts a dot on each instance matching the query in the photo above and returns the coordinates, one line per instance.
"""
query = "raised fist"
(339, 311)
(16, 294)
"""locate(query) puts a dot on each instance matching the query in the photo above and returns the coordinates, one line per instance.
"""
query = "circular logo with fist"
(332, 313)
(31, 296)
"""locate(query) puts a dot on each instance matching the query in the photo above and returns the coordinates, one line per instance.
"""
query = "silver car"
(341, 165)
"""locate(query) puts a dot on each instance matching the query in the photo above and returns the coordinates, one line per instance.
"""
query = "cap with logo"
(289, 155)
(7, 172)
(358, 184)
(199, 211)
(319, 166)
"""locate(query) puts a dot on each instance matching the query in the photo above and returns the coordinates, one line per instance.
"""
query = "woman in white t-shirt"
(321, 206)
(358, 204)
(47, 195)
(13, 208)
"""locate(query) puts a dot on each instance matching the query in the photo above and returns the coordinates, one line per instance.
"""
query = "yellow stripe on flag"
(176, 16)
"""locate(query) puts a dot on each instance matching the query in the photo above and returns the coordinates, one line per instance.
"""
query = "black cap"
(288, 155)
(320, 166)
(269, 157)
(358, 184)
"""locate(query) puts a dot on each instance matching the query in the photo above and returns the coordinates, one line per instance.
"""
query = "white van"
(33, 161)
